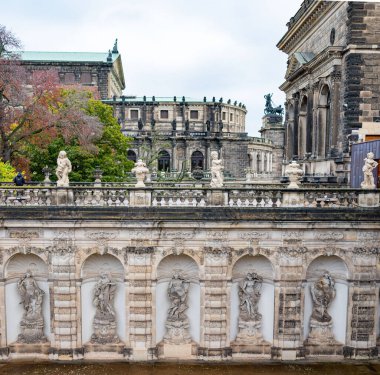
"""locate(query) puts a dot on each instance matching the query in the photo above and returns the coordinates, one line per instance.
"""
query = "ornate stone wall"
(214, 257)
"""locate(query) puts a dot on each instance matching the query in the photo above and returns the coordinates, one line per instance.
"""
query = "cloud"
(171, 47)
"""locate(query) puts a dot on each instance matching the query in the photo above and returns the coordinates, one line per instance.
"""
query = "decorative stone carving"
(249, 317)
(322, 293)
(63, 169)
(32, 323)
(102, 238)
(369, 166)
(217, 167)
(104, 324)
(177, 322)
(330, 236)
(140, 170)
(294, 172)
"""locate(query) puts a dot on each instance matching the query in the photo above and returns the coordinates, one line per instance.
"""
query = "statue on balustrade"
(32, 323)
(369, 166)
(104, 324)
(217, 167)
(177, 322)
(63, 169)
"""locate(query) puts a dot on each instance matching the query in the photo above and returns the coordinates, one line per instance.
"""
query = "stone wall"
(140, 249)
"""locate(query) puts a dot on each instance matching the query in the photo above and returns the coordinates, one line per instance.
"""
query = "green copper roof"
(100, 57)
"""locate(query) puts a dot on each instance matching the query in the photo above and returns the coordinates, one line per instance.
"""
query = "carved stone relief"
(177, 323)
(104, 323)
(32, 323)
(322, 293)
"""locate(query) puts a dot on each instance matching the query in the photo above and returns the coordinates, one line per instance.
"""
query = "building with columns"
(179, 133)
(331, 83)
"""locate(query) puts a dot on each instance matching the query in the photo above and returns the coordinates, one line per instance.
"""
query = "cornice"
(304, 24)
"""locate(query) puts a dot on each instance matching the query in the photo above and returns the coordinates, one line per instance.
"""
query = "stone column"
(262, 162)
(139, 306)
(268, 162)
(3, 327)
(214, 294)
(174, 161)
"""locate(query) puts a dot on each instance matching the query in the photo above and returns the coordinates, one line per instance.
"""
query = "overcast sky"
(196, 48)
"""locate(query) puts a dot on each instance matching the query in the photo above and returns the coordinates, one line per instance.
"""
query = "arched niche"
(338, 308)
(92, 268)
(197, 160)
(16, 268)
(263, 267)
(188, 269)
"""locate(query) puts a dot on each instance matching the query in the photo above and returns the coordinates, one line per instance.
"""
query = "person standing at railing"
(19, 179)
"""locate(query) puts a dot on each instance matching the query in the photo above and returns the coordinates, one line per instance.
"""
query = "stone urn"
(140, 170)
(294, 172)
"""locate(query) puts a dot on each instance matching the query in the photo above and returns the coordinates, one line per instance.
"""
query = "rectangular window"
(134, 114)
(231, 117)
(193, 115)
(69, 78)
(85, 78)
(224, 116)
(164, 114)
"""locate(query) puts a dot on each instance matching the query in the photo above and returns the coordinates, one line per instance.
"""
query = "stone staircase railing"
(253, 197)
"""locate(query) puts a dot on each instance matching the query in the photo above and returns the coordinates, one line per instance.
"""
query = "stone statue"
(322, 292)
(32, 323)
(249, 317)
(321, 323)
(177, 322)
(249, 294)
(63, 169)
(141, 171)
(369, 166)
(294, 172)
(104, 324)
(216, 171)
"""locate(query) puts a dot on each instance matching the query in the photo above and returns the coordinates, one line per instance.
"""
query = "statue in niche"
(369, 166)
(216, 171)
(32, 323)
(322, 293)
(177, 322)
(321, 322)
(249, 317)
(63, 169)
(104, 324)
(249, 294)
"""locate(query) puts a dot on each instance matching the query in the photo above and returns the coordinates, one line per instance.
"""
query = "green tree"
(108, 151)
(7, 172)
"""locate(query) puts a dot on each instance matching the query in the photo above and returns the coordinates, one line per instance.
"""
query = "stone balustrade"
(188, 196)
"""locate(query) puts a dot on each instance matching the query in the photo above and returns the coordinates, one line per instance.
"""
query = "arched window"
(164, 161)
(131, 155)
(324, 123)
(197, 160)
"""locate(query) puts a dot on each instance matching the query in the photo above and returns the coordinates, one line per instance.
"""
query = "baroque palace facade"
(331, 83)
(234, 272)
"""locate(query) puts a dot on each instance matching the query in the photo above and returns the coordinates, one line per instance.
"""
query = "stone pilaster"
(139, 309)
(215, 338)
(64, 303)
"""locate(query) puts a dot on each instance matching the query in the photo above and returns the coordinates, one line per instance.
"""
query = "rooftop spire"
(114, 49)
